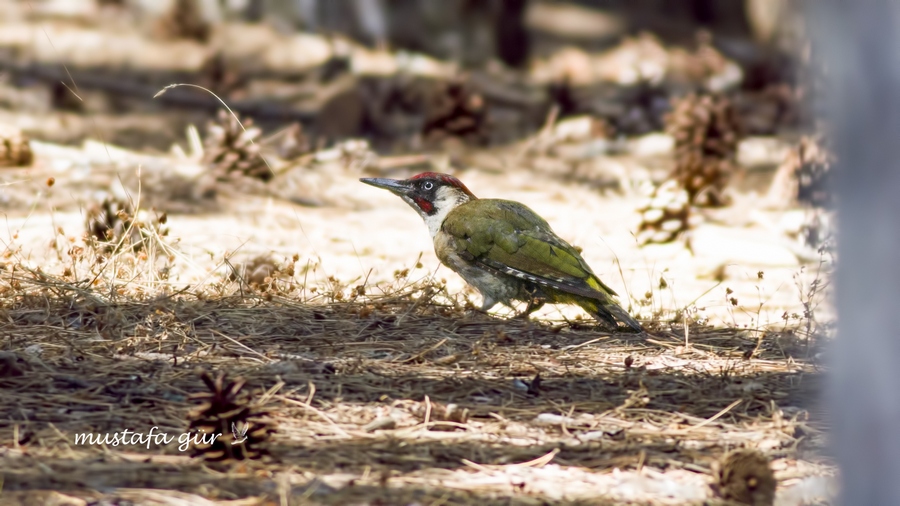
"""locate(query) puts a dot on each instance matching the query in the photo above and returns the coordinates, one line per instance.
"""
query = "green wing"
(509, 237)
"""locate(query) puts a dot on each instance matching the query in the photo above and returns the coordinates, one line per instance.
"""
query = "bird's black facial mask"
(423, 195)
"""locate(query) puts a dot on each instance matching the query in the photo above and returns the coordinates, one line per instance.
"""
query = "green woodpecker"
(504, 249)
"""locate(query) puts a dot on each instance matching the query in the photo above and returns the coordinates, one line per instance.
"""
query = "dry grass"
(107, 346)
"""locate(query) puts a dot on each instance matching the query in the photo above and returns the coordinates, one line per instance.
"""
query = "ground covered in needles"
(382, 393)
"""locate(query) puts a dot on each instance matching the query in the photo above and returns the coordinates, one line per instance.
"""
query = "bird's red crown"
(446, 179)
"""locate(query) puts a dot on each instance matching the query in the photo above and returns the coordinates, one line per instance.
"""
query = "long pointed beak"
(396, 186)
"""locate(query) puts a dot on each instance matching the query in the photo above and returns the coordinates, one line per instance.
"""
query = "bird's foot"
(533, 305)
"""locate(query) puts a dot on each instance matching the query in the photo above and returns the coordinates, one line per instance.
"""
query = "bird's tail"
(610, 312)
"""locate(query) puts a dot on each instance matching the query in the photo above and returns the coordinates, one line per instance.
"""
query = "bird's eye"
(428, 185)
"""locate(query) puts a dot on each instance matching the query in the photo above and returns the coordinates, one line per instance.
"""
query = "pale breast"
(499, 288)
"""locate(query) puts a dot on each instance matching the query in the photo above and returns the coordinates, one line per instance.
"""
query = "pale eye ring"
(428, 185)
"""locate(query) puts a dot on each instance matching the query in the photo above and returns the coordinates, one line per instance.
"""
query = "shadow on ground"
(74, 366)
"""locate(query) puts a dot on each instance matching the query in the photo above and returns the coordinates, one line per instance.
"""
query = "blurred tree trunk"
(859, 42)
(511, 41)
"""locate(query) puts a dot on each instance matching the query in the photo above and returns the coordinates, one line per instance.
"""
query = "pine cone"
(15, 149)
(665, 215)
(745, 476)
(231, 149)
(707, 131)
(184, 20)
(109, 221)
(241, 426)
(454, 109)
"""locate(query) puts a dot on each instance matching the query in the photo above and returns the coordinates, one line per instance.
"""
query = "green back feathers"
(509, 237)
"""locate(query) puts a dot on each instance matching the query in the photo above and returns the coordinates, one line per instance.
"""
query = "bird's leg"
(535, 302)
(533, 305)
